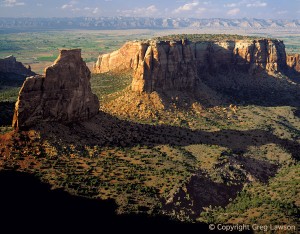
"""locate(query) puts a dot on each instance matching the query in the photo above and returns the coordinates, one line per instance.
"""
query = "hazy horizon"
(145, 17)
(231, 9)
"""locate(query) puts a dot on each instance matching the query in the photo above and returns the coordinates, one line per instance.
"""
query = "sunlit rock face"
(293, 61)
(166, 65)
(62, 94)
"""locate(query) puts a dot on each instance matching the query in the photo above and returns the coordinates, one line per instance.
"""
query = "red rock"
(293, 61)
(167, 65)
(62, 94)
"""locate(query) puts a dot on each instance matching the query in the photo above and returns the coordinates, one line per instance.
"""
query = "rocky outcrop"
(293, 61)
(166, 65)
(11, 65)
(119, 60)
(62, 94)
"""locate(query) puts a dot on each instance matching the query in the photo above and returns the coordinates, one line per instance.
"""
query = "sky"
(262, 9)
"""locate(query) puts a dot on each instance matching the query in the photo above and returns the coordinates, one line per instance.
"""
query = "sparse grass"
(47, 58)
(205, 37)
(9, 94)
(275, 202)
(108, 86)
(207, 155)
(5, 129)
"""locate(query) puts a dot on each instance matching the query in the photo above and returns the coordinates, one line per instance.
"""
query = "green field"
(36, 48)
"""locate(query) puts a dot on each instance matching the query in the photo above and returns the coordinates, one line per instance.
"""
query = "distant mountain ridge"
(144, 23)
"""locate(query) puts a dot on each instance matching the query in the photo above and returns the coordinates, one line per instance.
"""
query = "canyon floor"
(205, 159)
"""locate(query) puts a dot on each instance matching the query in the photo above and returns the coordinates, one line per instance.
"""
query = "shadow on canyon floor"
(225, 88)
(30, 206)
(6, 113)
(202, 192)
(107, 130)
(297, 113)
(11, 79)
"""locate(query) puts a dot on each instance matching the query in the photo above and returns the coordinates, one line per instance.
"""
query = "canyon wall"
(62, 94)
(119, 60)
(167, 65)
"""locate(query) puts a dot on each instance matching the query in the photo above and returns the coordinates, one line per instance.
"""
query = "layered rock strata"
(166, 65)
(62, 94)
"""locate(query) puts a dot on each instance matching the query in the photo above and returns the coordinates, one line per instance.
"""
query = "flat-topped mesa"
(62, 94)
(179, 64)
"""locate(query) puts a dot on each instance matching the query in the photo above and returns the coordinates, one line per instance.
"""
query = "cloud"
(152, 9)
(200, 10)
(186, 7)
(71, 5)
(233, 11)
(92, 10)
(76, 9)
(240, 3)
(67, 6)
(257, 4)
(95, 11)
(12, 3)
(230, 5)
(281, 12)
(143, 11)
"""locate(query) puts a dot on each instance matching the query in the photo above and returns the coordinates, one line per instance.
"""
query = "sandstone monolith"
(63, 94)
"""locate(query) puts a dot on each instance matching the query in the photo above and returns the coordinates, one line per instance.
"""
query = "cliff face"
(118, 60)
(164, 65)
(293, 61)
(11, 65)
(62, 94)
